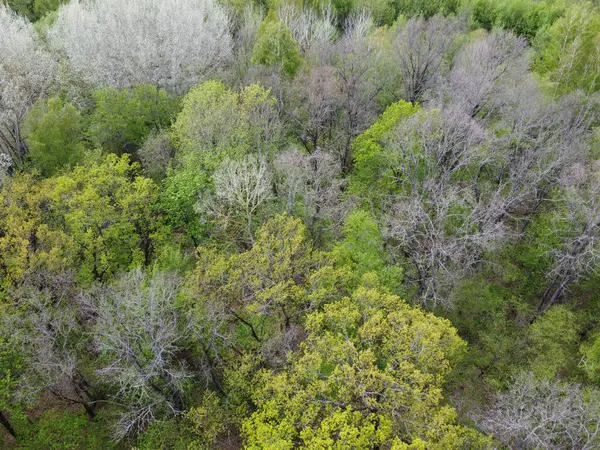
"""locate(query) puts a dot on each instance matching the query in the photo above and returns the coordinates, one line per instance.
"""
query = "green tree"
(216, 123)
(554, 341)
(362, 251)
(12, 367)
(65, 430)
(34, 9)
(591, 354)
(569, 50)
(54, 134)
(427, 8)
(371, 176)
(276, 46)
(122, 119)
(524, 17)
(248, 308)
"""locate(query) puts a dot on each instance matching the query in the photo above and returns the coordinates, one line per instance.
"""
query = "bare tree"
(355, 60)
(171, 44)
(485, 69)
(576, 223)
(138, 331)
(243, 186)
(315, 32)
(551, 415)
(315, 106)
(437, 220)
(26, 72)
(539, 141)
(421, 48)
(52, 338)
(313, 181)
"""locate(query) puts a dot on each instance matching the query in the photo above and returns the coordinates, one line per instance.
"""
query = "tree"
(248, 308)
(355, 60)
(12, 369)
(53, 131)
(242, 186)
(572, 237)
(96, 220)
(362, 251)
(276, 46)
(523, 17)
(156, 154)
(216, 123)
(309, 185)
(591, 358)
(422, 47)
(569, 50)
(369, 374)
(485, 69)
(138, 332)
(441, 225)
(314, 107)
(554, 338)
(47, 328)
(368, 178)
(119, 43)
(26, 72)
(427, 8)
(122, 119)
(544, 414)
(34, 9)
(313, 31)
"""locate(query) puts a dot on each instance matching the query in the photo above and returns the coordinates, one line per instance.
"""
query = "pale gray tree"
(310, 186)
(315, 32)
(138, 331)
(314, 106)
(437, 220)
(46, 326)
(241, 186)
(485, 69)
(535, 414)
(355, 61)
(170, 43)
(576, 226)
(26, 71)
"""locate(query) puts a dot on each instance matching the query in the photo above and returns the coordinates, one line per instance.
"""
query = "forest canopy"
(275, 224)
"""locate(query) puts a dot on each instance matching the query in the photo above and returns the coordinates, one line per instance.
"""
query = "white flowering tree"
(119, 43)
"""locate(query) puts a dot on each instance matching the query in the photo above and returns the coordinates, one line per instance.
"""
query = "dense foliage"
(366, 224)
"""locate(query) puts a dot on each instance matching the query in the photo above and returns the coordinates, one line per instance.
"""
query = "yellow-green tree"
(369, 374)
(96, 220)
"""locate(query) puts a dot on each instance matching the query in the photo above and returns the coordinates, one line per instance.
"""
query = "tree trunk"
(6, 423)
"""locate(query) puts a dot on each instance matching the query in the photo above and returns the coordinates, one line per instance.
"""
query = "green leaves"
(124, 118)
(54, 133)
(569, 50)
(276, 46)
(97, 219)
